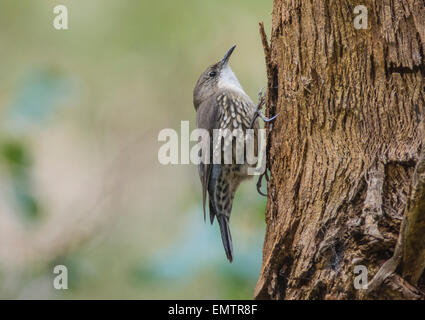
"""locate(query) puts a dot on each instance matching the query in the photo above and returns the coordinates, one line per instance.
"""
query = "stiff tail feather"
(226, 237)
(213, 213)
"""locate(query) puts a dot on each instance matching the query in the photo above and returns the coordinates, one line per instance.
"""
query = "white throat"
(228, 80)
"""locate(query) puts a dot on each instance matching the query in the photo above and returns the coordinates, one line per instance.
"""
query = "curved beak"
(226, 57)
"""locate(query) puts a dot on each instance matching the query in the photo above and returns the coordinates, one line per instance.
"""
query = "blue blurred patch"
(201, 249)
(42, 92)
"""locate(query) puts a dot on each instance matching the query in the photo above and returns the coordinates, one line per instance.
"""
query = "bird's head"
(218, 76)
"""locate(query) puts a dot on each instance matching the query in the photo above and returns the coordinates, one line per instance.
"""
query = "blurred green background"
(80, 183)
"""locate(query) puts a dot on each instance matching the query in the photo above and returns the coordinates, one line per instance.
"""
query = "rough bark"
(347, 183)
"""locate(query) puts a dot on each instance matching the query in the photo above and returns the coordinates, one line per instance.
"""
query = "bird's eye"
(212, 74)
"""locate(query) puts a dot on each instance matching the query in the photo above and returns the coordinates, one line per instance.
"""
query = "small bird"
(221, 103)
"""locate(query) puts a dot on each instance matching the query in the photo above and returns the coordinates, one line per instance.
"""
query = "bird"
(221, 103)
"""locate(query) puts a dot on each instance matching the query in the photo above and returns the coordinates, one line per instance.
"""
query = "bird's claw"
(265, 119)
(261, 96)
(257, 111)
(260, 178)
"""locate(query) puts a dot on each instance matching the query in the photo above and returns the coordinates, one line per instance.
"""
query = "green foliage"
(15, 155)
(126, 68)
(17, 160)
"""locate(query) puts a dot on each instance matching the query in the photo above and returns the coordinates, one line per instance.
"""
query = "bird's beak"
(226, 57)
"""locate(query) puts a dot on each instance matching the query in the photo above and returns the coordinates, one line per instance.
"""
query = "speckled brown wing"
(236, 113)
(207, 116)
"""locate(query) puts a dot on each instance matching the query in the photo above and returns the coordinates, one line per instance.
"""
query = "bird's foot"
(258, 112)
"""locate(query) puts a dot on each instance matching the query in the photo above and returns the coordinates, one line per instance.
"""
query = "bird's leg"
(258, 112)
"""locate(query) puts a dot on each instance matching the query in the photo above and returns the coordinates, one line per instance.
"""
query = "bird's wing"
(204, 175)
(207, 118)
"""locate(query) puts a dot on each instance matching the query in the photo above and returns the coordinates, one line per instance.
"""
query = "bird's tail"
(226, 237)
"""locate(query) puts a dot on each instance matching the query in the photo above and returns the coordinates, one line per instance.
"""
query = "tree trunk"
(345, 153)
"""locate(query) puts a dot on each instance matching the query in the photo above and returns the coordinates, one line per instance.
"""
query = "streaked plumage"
(221, 103)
